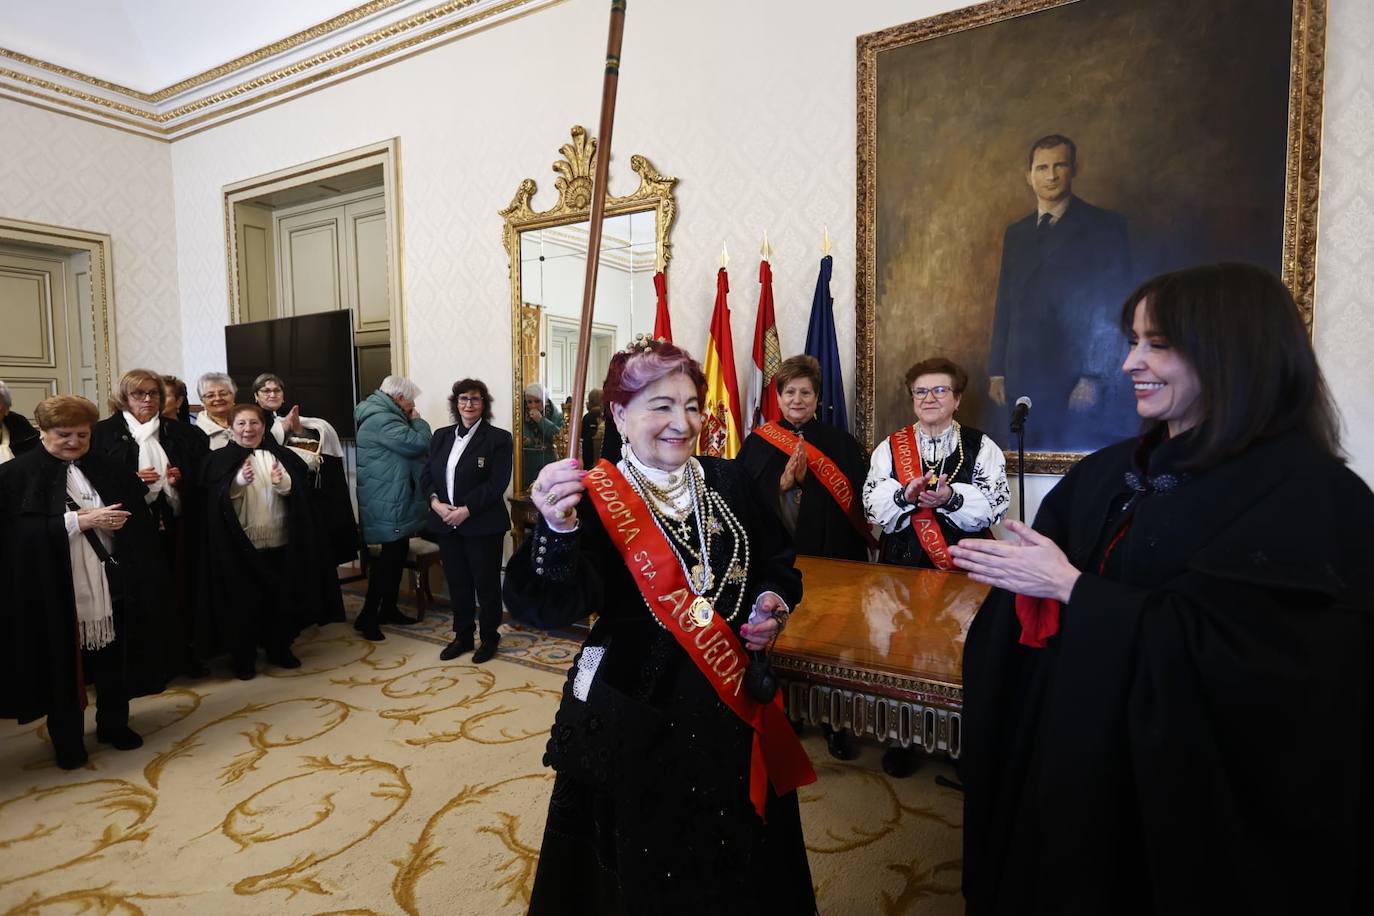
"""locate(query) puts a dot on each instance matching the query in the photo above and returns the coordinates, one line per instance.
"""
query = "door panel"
(33, 312)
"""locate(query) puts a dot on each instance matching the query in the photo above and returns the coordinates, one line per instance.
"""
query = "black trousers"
(472, 567)
(105, 669)
(384, 579)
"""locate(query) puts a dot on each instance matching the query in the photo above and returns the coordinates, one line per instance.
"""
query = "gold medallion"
(701, 612)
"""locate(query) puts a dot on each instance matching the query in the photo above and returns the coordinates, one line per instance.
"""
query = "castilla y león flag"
(721, 417)
(763, 397)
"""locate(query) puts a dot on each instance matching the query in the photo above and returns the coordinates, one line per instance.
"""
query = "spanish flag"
(721, 417)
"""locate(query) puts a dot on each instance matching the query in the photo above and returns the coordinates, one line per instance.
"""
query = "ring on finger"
(551, 498)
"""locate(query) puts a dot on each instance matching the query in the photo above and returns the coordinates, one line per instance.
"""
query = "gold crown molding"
(1307, 62)
(155, 121)
(318, 30)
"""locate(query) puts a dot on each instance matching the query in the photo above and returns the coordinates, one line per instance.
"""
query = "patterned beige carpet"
(378, 780)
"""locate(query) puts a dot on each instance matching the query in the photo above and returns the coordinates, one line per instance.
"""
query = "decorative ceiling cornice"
(270, 75)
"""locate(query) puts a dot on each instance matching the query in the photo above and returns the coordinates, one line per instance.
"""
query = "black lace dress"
(650, 811)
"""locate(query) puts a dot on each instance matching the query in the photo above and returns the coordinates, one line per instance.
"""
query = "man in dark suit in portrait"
(1065, 268)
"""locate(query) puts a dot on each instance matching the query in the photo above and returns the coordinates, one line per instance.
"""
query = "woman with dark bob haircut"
(464, 482)
(1167, 696)
(676, 773)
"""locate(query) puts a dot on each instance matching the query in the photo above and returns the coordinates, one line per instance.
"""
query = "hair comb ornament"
(643, 343)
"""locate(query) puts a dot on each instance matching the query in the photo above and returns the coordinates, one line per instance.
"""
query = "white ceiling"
(148, 45)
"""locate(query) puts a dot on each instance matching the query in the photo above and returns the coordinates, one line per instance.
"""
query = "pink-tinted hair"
(630, 373)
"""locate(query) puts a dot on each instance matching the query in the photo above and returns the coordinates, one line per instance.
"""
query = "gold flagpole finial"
(825, 241)
(767, 250)
(724, 256)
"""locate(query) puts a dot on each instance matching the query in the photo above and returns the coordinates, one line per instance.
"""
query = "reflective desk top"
(869, 619)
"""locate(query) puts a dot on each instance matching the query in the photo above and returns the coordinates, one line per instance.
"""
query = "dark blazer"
(479, 481)
(1059, 296)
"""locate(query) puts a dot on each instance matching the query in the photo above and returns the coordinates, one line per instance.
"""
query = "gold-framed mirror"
(548, 251)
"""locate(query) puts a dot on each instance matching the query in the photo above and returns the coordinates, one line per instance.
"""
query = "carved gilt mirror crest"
(548, 251)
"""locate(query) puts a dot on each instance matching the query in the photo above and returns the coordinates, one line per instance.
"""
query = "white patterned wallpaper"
(751, 104)
(66, 172)
(1345, 253)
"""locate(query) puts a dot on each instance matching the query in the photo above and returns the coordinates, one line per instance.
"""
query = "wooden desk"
(879, 650)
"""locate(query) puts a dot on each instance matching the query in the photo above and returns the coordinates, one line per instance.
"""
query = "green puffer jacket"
(391, 453)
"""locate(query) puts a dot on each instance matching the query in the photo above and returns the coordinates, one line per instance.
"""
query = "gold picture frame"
(1005, 32)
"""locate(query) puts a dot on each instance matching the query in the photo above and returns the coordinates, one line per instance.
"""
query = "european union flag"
(821, 343)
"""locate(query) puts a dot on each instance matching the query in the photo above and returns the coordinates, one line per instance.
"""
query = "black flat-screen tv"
(313, 355)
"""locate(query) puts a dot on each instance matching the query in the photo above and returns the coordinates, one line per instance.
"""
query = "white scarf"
(152, 455)
(259, 506)
(90, 585)
(219, 435)
(6, 454)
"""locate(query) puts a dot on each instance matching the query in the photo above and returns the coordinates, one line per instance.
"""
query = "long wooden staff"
(599, 193)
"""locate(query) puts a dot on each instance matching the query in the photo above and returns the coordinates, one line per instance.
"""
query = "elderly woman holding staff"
(217, 392)
(1168, 694)
(165, 454)
(85, 598)
(677, 769)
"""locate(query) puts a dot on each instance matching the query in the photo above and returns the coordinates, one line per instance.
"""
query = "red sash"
(777, 755)
(826, 471)
(906, 459)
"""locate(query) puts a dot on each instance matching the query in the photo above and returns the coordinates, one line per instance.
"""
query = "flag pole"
(599, 194)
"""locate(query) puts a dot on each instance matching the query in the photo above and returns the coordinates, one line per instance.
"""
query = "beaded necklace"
(700, 577)
(935, 469)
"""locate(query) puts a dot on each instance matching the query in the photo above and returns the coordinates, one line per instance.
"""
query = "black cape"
(656, 817)
(22, 434)
(233, 577)
(332, 506)
(1198, 737)
(39, 643)
(823, 529)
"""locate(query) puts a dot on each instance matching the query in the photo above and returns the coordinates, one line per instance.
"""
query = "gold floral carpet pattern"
(378, 780)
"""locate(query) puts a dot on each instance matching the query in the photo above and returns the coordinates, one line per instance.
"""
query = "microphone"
(1019, 414)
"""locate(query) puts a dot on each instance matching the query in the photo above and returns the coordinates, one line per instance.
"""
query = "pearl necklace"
(700, 577)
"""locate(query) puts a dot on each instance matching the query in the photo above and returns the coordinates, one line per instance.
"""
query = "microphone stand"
(1020, 430)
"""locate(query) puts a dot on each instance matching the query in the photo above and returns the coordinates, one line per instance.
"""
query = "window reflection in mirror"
(552, 274)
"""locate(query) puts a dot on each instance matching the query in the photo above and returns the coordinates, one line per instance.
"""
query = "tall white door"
(36, 356)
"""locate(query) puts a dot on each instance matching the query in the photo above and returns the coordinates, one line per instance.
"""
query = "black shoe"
(840, 744)
(396, 619)
(486, 651)
(372, 632)
(456, 648)
(283, 658)
(900, 762)
(71, 758)
(360, 621)
(246, 665)
(122, 738)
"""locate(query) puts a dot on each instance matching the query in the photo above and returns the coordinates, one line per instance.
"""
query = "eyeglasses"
(469, 399)
(217, 394)
(141, 394)
(269, 389)
(939, 392)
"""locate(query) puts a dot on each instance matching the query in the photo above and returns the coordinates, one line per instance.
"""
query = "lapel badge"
(481, 461)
